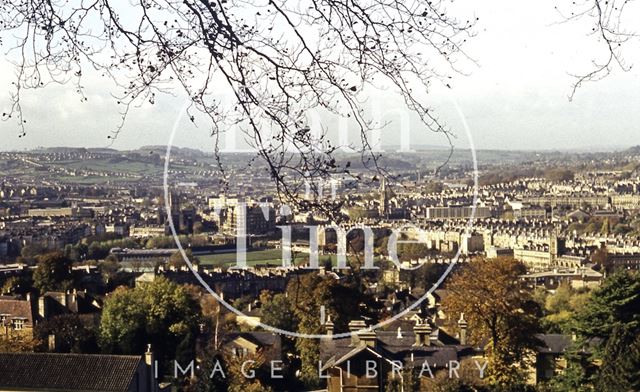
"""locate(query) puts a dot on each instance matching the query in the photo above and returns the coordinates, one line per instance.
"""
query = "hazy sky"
(515, 98)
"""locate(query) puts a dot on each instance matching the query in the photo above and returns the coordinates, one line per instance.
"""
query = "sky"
(515, 97)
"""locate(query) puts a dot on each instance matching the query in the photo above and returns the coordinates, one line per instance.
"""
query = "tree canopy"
(501, 314)
(160, 313)
(608, 328)
(53, 272)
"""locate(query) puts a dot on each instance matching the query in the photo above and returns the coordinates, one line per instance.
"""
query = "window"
(18, 324)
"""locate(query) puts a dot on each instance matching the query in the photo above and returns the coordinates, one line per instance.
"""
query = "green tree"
(307, 294)
(238, 382)
(109, 268)
(97, 251)
(208, 380)
(30, 251)
(72, 253)
(611, 317)
(161, 313)
(576, 376)
(276, 312)
(16, 285)
(560, 308)
(72, 334)
(177, 261)
(17, 341)
(53, 272)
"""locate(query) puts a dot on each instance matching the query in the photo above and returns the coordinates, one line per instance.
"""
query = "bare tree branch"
(277, 60)
(606, 18)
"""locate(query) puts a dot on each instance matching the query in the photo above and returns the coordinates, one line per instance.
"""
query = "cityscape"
(87, 233)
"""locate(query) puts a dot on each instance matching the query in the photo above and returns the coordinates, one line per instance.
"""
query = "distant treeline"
(510, 175)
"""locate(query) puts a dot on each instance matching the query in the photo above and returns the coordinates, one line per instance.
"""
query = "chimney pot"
(329, 326)
(148, 354)
(462, 324)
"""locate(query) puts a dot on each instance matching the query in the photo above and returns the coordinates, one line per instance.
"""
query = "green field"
(269, 256)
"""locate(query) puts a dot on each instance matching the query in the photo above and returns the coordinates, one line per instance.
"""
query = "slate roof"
(67, 372)
(389, 346)
(78, 302)
(553, 343)
(260, 338)
(16, 307)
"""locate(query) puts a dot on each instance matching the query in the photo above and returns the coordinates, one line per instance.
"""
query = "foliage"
(177, 261)
(238, 382)
(72, 334)
(53, 273)
(560, 308)
(276, 312)
(576, 376)
(17, 341)
(306, 294)
(97, 247)
(498, 311)
(169, 242)
(109, 268)
(31, 250)
(208, 377)
(608, 326)
(559, 174)
(16, 285)
(161, 313)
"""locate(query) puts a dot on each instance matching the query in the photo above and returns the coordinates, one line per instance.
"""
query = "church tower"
(384, 199)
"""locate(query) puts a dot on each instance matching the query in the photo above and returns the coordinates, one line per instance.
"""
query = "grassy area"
(269, 256)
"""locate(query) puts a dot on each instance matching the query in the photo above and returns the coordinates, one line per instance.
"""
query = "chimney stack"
(149, 360)
(368, 337)
(52, 343)
(148, 355)
(462, 324)
(42, 308)
(355, 326)
(422, 330)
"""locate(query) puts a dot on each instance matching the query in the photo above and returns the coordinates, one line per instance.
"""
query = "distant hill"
(633, 150)
(62, 150)
(175, 151)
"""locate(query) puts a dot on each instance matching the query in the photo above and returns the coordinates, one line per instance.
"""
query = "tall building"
(259, 218)
(384, 198)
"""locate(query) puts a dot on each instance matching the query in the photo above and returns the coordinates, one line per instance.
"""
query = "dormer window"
(18, 324)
